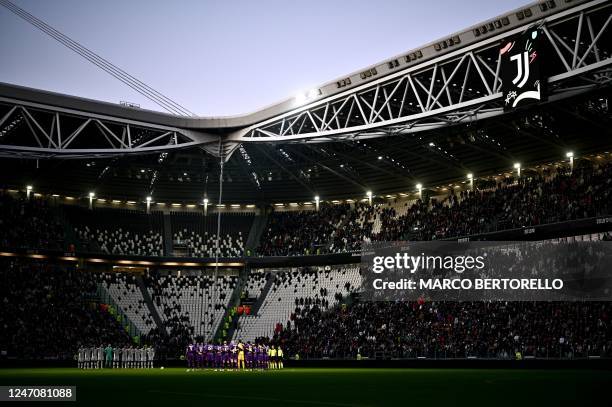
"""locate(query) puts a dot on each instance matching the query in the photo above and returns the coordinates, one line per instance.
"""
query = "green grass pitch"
(176, 387)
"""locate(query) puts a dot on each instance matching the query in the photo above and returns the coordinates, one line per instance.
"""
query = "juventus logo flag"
(520, 69)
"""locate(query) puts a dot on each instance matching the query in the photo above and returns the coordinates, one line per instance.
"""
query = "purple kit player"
(190, 355)
(226, 356)
(261, 358)
(218, 357)
(200, 357)
(210, 356)
(249, 356)
(266, 356)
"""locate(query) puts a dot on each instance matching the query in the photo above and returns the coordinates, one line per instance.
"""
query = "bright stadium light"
(28, 191)
(317, 201)
(369, 195)
(470, 176)
(570, 155)
(91, 197)
(517, 167)
(306, 96)
(148, 199)
(205, 202)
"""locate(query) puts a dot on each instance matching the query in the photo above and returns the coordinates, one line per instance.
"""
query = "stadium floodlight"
(305, 96)
(369, 195)
(470, 176)
(205, 202)
(148, 199)
(28, 190)
(517, 167)
(317, 200)
(420, 188)
(380, 157)
(91, 197)
(570, 155)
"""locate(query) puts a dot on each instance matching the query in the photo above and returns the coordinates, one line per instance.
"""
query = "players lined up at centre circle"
(235, 356)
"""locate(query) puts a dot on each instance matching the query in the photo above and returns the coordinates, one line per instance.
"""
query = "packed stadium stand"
(556, 194)
(302, 232)
(194, 303)
(289, 302)
(117, 231)
(48, 311)
(535, 199)
(291, 290)
(451, 330)
(198, 233)
(29, 223)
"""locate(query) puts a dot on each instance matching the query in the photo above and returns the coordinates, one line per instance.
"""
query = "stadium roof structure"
(428, 116)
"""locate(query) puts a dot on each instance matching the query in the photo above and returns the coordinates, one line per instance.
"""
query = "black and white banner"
(521, 69)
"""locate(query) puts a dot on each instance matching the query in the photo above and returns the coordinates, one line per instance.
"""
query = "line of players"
(235, 356)
(109, 357)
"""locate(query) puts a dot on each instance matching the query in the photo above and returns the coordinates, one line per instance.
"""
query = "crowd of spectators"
(47, 311)
(28, 223)
(529, 201)
(450, 330)
(534, 199)
(295, 233)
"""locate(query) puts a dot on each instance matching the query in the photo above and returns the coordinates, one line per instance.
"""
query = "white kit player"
(117, 358)
(131, 355)
(150, 357)
(81, 358)
(86, 357)
(94, 357)
(139, 357)
(125, 356)
(100, 357)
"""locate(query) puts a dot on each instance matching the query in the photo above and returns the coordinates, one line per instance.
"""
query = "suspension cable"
(145, 90)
